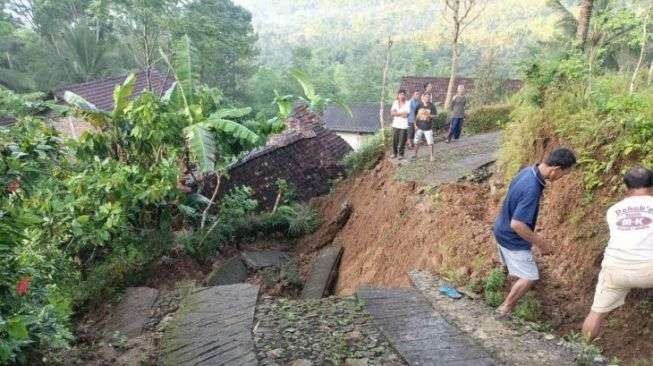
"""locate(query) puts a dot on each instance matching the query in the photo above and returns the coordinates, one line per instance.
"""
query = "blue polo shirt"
(414, 104)
(522, 203)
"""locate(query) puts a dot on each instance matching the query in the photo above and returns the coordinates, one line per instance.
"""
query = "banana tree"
(201, 124)
(316, 102)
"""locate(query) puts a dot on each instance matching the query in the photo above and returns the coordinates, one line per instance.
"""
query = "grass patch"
(370, 152)
(494, 287)
(488, 118)
(529, 308)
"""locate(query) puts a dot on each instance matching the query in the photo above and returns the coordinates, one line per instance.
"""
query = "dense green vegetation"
(610, 127)
(84, 218)
(79, 220)
(48, 43)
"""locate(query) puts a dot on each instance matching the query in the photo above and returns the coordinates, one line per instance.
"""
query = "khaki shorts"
(615, 283)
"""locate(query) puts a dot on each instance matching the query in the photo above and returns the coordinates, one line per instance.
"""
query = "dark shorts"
(411, 132)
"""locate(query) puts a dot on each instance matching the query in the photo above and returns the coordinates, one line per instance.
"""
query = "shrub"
(494, 285)
(441, 121)
(529, 308)
(370, 152)
(488, 118)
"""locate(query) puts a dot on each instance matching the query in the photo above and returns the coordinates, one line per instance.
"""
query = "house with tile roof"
(306, 155)
(440, 85)
(363, 122)
(100, 93)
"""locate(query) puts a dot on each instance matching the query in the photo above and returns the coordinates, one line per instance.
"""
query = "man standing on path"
(399, 112)
(414, 104)
(457, 107)
(628, 259)
(424, 124)
(514, 228)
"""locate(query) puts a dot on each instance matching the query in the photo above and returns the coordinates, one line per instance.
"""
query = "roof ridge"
(106, 79)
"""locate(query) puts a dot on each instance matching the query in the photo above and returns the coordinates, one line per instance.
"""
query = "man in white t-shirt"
(628, 259)
(399, 112)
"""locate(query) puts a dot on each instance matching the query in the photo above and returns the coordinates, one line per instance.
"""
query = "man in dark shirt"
(424, 123)
(414, 104)
(514, 228)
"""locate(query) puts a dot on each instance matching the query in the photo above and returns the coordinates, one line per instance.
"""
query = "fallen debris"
(324, 273)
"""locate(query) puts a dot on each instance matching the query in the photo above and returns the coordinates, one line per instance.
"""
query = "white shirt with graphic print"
(631, 232)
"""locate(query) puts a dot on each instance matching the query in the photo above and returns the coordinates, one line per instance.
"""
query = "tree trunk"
(584, 22)
(633, 80)
(384, 85)
(650, 74)
(452, 78)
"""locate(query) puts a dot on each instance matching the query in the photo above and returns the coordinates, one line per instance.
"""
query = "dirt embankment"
(396, 227)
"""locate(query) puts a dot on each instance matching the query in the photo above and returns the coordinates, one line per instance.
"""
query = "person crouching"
(628, 259)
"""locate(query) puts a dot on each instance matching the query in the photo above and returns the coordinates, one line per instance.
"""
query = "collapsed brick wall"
(306, 155)
(307, 165)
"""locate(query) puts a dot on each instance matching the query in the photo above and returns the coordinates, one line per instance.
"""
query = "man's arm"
(526, 233)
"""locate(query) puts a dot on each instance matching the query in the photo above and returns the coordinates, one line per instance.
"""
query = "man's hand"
(529, 235)
(542, 245)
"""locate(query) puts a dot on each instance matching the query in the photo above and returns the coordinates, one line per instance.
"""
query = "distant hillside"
(505, 27)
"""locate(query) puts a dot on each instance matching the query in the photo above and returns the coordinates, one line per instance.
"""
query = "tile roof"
(440, 84)
(100, 91)
(364, 118)
(302, 124)
(6, 121)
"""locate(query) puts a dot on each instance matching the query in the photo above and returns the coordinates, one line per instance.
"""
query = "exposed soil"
(397, 227)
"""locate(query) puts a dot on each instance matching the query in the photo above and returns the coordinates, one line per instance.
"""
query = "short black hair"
(561, 157)
(638, 177)
(401, 91)
(426, 85)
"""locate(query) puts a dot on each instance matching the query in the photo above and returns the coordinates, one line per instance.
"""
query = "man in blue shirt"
(514, 228)
(414, 104)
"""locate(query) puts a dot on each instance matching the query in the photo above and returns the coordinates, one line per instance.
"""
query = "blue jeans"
(455, 129)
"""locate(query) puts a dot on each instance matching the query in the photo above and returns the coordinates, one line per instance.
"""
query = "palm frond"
(121, 96)
(305, 81)
(232, 128)
(201, 145)
(567, 22)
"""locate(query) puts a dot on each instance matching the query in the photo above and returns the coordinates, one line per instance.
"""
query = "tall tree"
(225, 40)
(462, 13)
(584, 21)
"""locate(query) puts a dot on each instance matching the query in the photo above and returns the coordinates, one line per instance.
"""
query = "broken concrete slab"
(328, 231)
(257, 260)
(230, 272)
(324, 273)
(418, 332)
(133, 311)
(213, 327)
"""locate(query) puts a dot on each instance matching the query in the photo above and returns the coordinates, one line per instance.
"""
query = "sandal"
(450, 292)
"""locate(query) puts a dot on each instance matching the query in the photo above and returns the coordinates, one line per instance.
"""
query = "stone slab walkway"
(452, 160)
(418, 332)
(512, 343)
(264, 258)
(323, 274)
(213, 327)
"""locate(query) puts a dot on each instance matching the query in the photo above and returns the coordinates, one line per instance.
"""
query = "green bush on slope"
(609, 128)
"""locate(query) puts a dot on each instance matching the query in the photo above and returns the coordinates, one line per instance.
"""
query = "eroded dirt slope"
(396, 227)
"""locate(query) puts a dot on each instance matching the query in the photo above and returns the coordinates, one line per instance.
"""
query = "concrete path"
(213, 327)
(324, 273)
(452, 160)
(418, 332)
